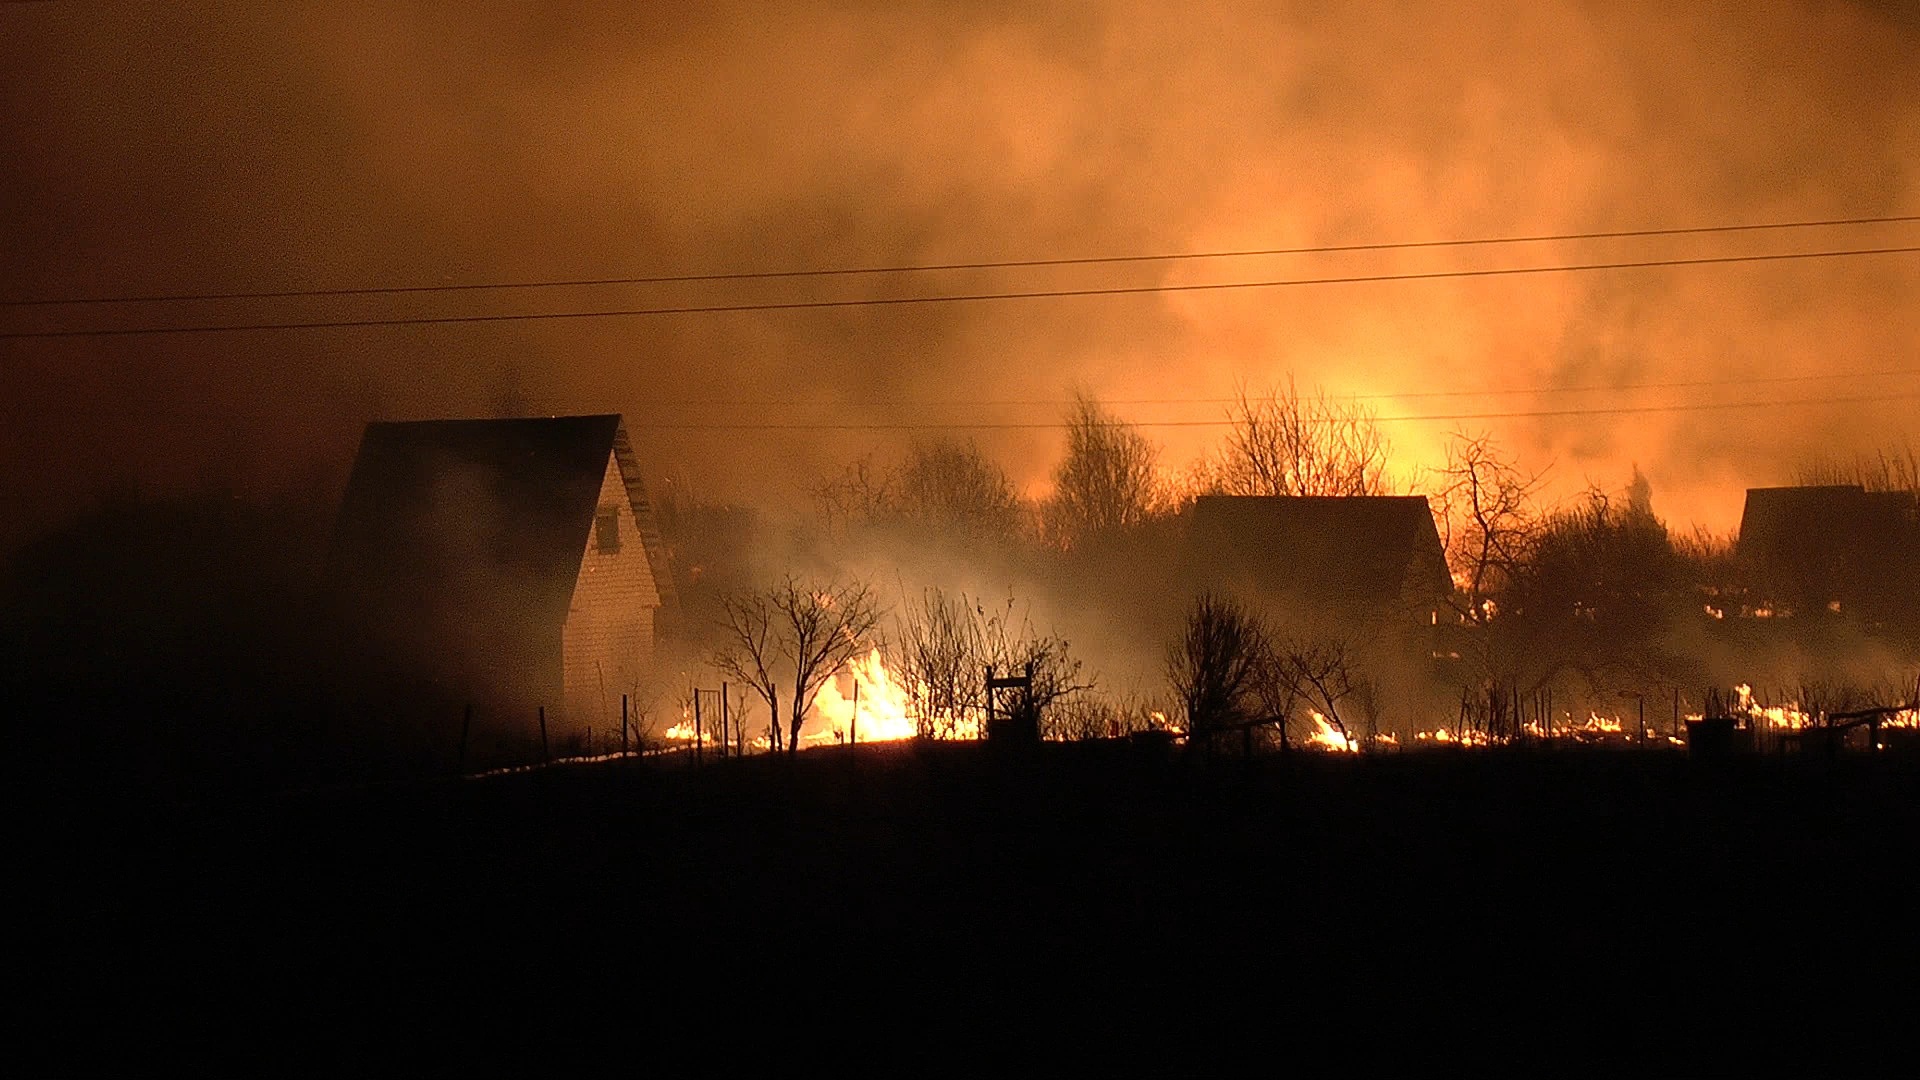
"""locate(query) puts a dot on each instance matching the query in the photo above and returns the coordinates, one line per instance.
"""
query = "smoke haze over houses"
(196, 148)
(724, 508)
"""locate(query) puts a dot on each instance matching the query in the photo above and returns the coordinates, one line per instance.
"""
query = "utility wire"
(799, 305)
(999, 264)
(1417, 418)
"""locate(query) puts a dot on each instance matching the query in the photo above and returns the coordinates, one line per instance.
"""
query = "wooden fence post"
(623, 724)
(697, 740)
(546, 751)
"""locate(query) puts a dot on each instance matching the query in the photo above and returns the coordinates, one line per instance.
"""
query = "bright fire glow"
(1327, 737)
(1781, 717)
(883, 709)
(1448, 737)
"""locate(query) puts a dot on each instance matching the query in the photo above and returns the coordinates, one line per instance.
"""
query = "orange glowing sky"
(181, 148)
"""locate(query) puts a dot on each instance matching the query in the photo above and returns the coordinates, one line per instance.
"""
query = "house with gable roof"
(510, 563)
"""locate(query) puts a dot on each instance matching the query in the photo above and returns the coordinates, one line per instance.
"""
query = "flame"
(1783, 717)
(709, 734)
(1328, 737)
(1449, 737)
(1594, 729)
(883, 712)
(1159, 722)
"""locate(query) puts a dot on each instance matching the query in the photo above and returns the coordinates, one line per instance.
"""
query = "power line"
(799, 305)
(998, 264)
(1419, 418)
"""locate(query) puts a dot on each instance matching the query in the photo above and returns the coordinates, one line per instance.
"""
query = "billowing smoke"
(193, 148)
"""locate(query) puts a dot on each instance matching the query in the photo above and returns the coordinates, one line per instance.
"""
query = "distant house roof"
(478, 519)
(1785, 520)
(1343, 553)
(1832, 542)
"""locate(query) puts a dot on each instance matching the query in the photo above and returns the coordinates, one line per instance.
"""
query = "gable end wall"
(608, 637)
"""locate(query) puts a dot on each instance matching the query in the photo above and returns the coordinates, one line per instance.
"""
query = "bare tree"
(1895, 468)
(941, 483)
(1284, 443)
(1598, 593)
(1011, 643)
(819, 628)
(863, 491)
(750, 651)
(937, 645)
(1109, 479)
(953, 485)
(1273, 693)
(645, 694)
(1218, 665)
(1322, 671)
(1488, 520)
(944, 646)
(1081, 718)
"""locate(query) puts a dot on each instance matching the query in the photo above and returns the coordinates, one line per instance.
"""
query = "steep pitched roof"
(474, 519)
(1833, 541)
(643, 515)
(1782, 520)
(1346, 552)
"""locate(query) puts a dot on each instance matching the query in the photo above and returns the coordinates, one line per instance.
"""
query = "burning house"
(509, 563)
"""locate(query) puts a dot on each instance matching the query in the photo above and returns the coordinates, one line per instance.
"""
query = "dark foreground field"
(571, 904)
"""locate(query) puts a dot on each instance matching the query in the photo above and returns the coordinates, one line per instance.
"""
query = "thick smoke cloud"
(190, 147)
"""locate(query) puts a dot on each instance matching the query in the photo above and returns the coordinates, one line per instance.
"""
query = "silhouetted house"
(1833, 548)
(1337, 562)
(510, 563)
(1367, 571)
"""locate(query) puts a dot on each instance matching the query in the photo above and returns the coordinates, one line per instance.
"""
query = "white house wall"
(608, 637)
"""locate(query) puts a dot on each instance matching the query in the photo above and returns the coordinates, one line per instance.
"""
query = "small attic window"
(606, 532)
